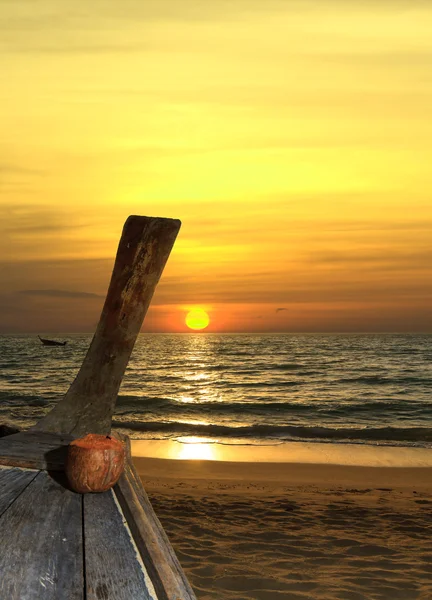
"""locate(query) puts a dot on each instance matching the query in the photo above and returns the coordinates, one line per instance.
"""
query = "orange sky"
(292, 138)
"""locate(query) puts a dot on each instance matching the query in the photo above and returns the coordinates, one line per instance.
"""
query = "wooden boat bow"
(110, 546)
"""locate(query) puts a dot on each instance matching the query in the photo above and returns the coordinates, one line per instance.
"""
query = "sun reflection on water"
(193, 448)
(186, 399)
(196, 376)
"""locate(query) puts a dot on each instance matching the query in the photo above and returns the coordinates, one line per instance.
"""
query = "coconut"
(94, 463)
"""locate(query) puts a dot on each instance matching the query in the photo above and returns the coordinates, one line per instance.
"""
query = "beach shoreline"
(296, 463)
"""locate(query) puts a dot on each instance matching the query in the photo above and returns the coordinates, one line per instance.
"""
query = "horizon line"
(201, 332)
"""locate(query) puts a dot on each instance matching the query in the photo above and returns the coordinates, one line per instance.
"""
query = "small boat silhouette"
(51, 342)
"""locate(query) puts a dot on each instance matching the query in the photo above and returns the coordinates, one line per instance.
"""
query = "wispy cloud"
(278, 310)
(34, 226)
(271, 289)
(18, 169)
(59, 294)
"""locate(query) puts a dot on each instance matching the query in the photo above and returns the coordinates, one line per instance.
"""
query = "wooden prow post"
(89, 403)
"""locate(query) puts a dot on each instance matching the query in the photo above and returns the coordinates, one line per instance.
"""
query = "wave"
(235, 369)
(288, 366)
(257, 384)
(18, 400)
(150, 404)
(385, 380)
(277, 367)
(377, 434)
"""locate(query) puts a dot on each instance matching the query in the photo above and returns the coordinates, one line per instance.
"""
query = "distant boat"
(51, 342)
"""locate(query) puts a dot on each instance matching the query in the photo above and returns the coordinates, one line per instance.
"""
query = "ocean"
(242, 389)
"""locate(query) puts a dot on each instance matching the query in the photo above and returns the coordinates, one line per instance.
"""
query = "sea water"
(254, 389)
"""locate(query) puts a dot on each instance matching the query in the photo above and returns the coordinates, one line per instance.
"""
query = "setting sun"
(197, 319)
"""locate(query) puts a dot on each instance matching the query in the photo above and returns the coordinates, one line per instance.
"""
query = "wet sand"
(298, 531)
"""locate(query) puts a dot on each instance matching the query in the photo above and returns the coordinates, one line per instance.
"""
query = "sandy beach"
(273, 529)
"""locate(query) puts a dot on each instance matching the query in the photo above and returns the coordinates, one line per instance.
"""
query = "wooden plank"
(87, 407)
(158, 556)
(114, 570)
(41, 544)
(12, 483)
(35, 450)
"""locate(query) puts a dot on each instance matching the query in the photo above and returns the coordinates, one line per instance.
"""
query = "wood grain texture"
(41, 544)
(35, 450)
(114, 569)
(12, 483)
(156, 551)
(87, 407)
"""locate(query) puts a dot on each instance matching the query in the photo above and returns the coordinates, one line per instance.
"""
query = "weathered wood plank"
(35, 450)
(12, 483)
(88, 405)
(114, 570)
(152, 542)
(41, 544)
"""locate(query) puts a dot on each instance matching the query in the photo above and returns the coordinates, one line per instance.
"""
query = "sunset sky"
(293, 138)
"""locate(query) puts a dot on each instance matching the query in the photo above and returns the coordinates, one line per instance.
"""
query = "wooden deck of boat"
(57, 544)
